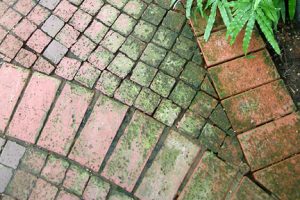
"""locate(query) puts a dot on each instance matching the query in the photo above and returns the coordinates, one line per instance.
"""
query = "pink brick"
(43, 191)
(67, 68)
(80, 20)
(43, 66)
(96, 31)
(38, 15)
(10, 19)
(76, 179)
(24, 29)
(10, 46)
(3, 8)
(65, 10)
(132, 151)
(66, 117)
(12, 81)
(25, 58)
(66, 196)
(97, 136)
(83, 48)
(24, 6)
(33, 108)
(38, 41)
(67, 36)
(91, 6)
(3, 33)
(96, 189)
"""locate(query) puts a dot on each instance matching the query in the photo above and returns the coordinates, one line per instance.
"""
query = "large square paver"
(55, 51)
(11, 154)
(5, 176)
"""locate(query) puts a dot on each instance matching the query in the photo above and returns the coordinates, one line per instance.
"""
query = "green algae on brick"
(133, 47)
(172, 64)
(184, 47)
(127, 92)
(187, 32)
(164, 37)
(212, 137)
(87, 75)
(198, 58)
(144, 31)
(167, 112)
(147, 101)
(191, 124)
(174, 20)
(33, 160)
(100, 58)
(96, 189)
(124, 24)
(135, 8)
(182, 94)
(163, 84)
(153, 55)
(208, 87)
(203, 104)
(108, 83)
(168, 159)
(121, 65)
(166, 4)
(193, 74)
(117, 3)
(143, 74)
(219, 118)
(154, 14)
(117, 195)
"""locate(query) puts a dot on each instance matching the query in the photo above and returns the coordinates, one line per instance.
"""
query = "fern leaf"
(188, 8)
(292, 8)
(211, 20)
(248, 32)
(200, 7)
(224, 14)
(256, 3)
(238, 26)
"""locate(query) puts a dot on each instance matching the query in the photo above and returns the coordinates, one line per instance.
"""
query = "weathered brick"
(24, 29)
(38, 41)
(174, 20)
(5, 176)
(112, 41)
(83, 48)
(167, 112)
(153, 55)
(108, 83)
(182, 94)
(143, 74)
(147, 101)
(52, 25)
(63, 195)
(33, 108)
(135, 8)
(95, 138)
(282, 179)
(121, 65)
(193, 74)
(42, 65)
(144, 31)
(108, 14)
(24, 6)
(210, 180)
(43, 190)
(66, 116)
(25, 58)
(203, 104)
(65, 10)
(212, 137)
(91, 6)
(3, 8)
(96, 31)
(271, 142)
(10, 46)
(259, 105)
(76, 2)
(38, 15)
(219, 118)
(127, 92)
(243, 73)
(172, 64)
(191, 124)
(55, 51)
(154, 14)
(67, 36)
(3, 33)
(87, 75)
(124, 24)
(163, 84)
(67, 68)
(100, 58)
(96, 189)
(164, 37)
(117, 3)
(12, 154)
(169, 168)
(133, 47)
(50, 4)
(80, 20)
(117, 195)
(33, 160)
(207, 86)
(12, 81)
(136, 144)
(184, 47)
(10, 19)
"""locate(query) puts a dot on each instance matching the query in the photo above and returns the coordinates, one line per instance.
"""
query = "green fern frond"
(237, 25)
(224, 14)
(188, 8)
(292, 8)
(211, 20)
(200, 7)
(248, 32)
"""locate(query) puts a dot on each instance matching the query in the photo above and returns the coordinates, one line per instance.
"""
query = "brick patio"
(123, 99)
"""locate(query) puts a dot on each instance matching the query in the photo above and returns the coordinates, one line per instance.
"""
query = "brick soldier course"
(124, 100)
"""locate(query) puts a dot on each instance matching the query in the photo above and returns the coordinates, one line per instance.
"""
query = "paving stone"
(76, 179)
(277, 140)
(24, 6)
(164, 37)
(63, 195)
(80, 20)
(65, 10)
(208, 87)
(113, 41)
(147, 101)
(25, 58)
(143, 74)
(167, 112)
(133, 47)
(52, 25)
(12, 81)
(38, 15)
(83, 48)
(10, 46)
(76, 2)
(55, 170)
(184, 47)
(154, 14)
(3, 33)
(282, 179)
(244, 73)
(124, 24)
(67, 68)
(144, 31)
(11, 154)
(21, 185)
(3, 8)
(96, 189)
(108, 14)
(38, 41)
(50, 4)
(127, 92)
(212, 137)
(100, 58)
(166, 4)
(168, 169)
(249, 190)
(198, 58)
(203, 104)
(91, 6)
(87, 75)
(193, 74)
(191, 124)
(42, 65)
(108, 83)
(10, 19)
(136, 143)
(96, 31)
(9, 2)
(174, 21)
(118, 3)
(6, 197)
(218, 49)
(87, 150)
(43, 190)
(5, 176)
(65, 116)
(67, 36)
(163, 84)
(24, 29)
(33, 108)
(117, 195)
(254, 107)
(173, 64)
(210, 180)
(121, 65)
(182, 94)
(33, 160)
(219, 118)
(153, 55)
(135, 8)
(187, 31)
(2, 142)
(55, 51)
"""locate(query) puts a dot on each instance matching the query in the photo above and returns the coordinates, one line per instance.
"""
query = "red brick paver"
(43, 190)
